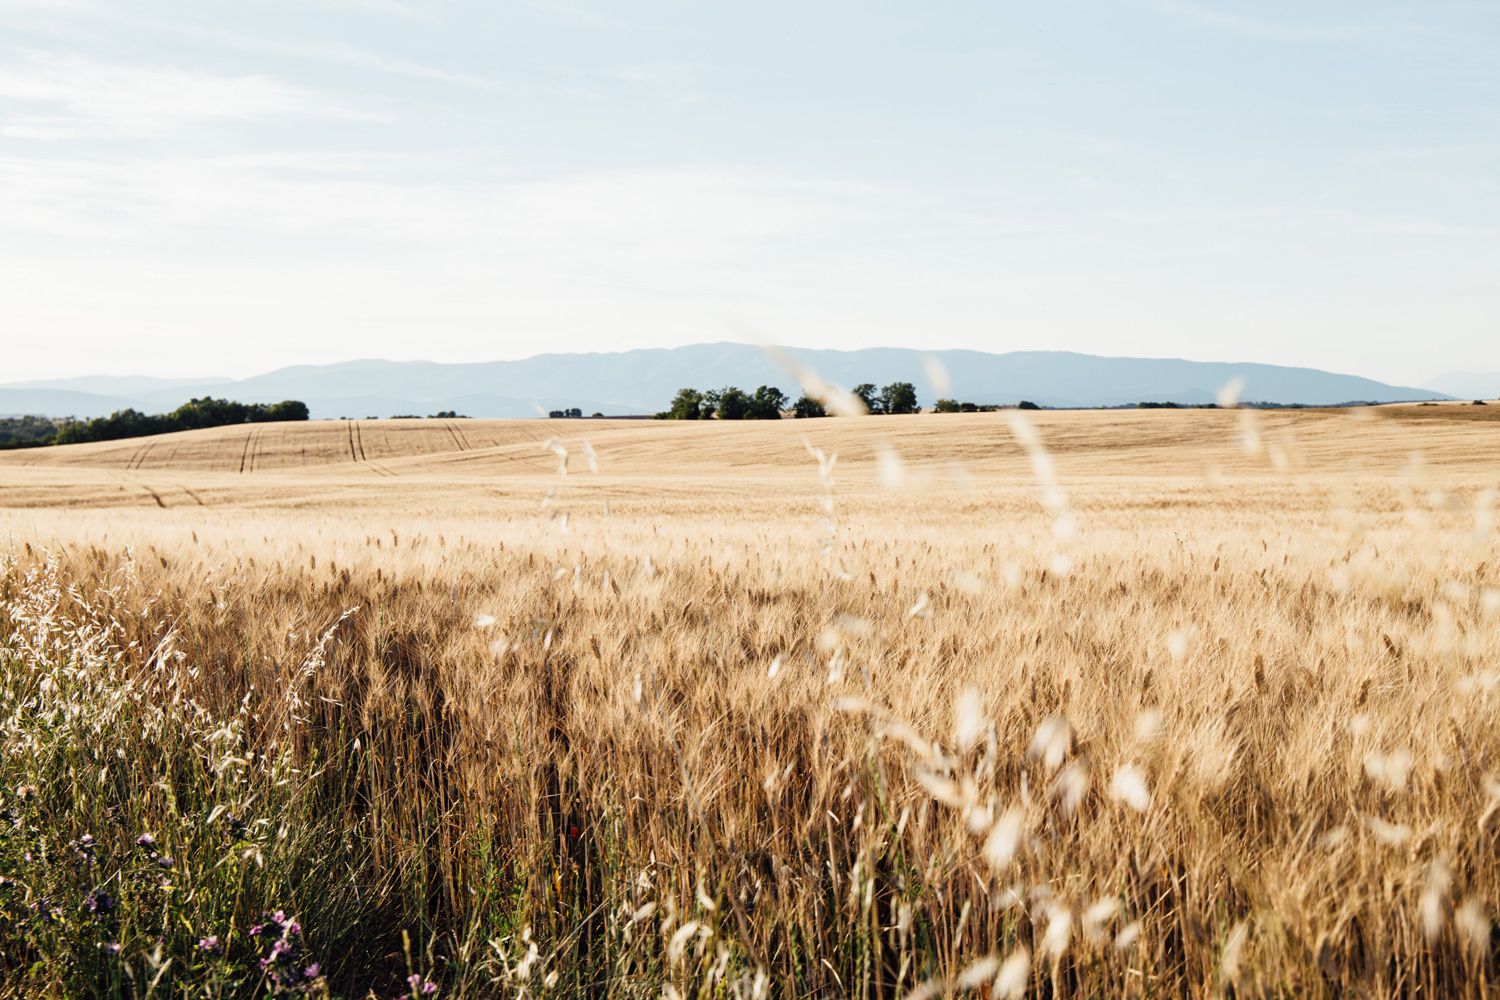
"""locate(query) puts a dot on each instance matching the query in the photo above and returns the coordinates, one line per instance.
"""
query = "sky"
(196, 187)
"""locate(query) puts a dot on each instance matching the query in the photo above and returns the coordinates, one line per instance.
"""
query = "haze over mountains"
(644, 381)
(1475, 385)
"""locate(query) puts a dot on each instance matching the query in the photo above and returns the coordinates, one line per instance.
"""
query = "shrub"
(898, 397)
(806, 406)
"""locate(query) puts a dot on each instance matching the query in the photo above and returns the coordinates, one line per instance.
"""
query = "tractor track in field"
(458, 433)
(245, 452)
(357, 450)
(139, 457)
(130, 481)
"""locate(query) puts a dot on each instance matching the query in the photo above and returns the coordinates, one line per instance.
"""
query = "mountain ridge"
(643, 380)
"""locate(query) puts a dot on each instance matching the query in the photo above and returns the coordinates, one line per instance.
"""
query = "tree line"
(192, 415)
(954, 406)
(27, 431)
(768, 402)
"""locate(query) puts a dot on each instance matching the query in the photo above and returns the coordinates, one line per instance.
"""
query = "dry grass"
(707, 721)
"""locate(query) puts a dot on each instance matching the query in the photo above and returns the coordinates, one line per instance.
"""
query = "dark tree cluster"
(192, 415)
(954, 406)
(27, 432)
(769, 402)
(730, 403)
(898, 397)
(573, 413)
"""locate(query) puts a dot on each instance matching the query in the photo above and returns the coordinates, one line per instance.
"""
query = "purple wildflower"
(209, 944)
(283, 963)
(420, 985)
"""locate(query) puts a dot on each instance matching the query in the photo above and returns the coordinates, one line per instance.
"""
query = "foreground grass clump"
(148, 841)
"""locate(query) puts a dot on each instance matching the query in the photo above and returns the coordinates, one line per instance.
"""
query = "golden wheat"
(1100, 704)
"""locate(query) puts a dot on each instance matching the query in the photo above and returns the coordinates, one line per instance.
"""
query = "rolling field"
(1108, 703)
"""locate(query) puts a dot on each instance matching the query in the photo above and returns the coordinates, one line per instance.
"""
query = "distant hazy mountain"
(59, 403)
(643, 381)
(1468, 385)
(117, 385)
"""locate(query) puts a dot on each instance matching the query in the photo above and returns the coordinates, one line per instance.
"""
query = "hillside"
(643, 381)
(447, 465)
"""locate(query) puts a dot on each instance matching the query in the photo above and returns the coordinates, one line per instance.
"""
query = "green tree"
(686, 405)
(946, 406)
(806, 406)
(295, 409)
(710, 406)
(767, 403)
(867, 394)
(898, 397)
(733, 403)
(1027, 404)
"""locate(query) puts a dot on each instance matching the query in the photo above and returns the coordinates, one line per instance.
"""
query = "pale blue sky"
(224, 188)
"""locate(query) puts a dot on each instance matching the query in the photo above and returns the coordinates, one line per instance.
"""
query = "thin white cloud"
(335, 54)
(579, 15)
(50, 95)
(676, 82)
(1270, 29)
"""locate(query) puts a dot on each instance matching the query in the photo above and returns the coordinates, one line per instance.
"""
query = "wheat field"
(1111, 703)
